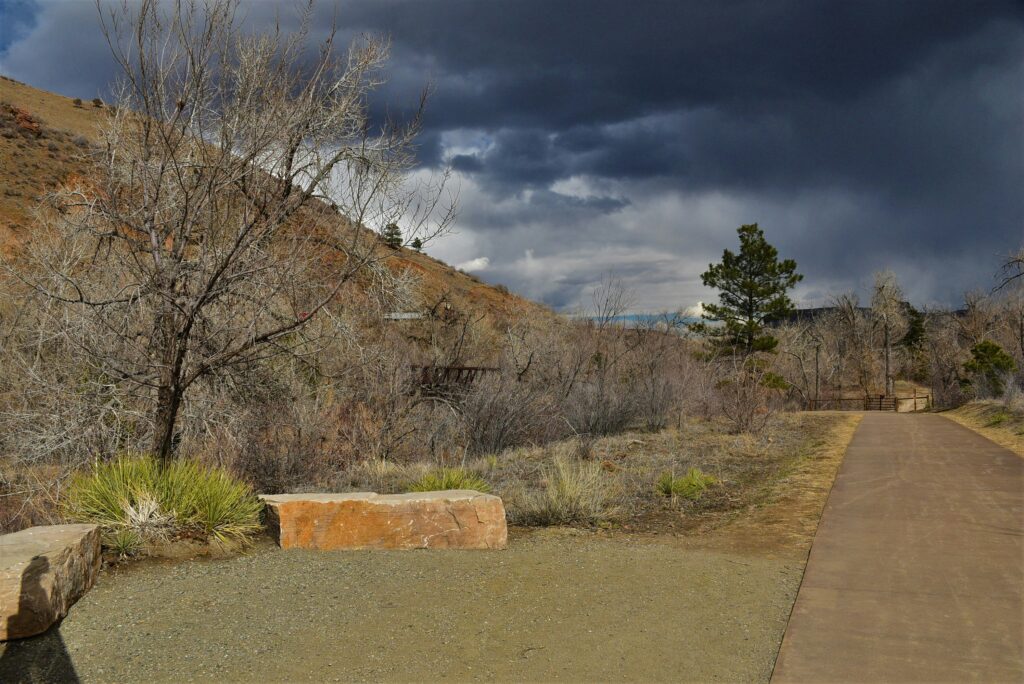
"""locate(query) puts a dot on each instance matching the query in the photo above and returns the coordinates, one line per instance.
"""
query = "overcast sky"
(634, 137)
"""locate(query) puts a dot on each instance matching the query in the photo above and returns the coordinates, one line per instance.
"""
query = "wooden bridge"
(440, 380)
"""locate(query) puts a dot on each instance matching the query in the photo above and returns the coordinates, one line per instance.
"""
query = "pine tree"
(916, 331)
(989, 365)
(392, 236)
(417, 244)
(752, 288)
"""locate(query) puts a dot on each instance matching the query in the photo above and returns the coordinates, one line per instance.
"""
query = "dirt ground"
(554, 606)
(559, 604)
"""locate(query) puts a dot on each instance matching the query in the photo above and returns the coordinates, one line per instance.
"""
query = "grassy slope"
(994, 420)
(30, 165)
(770, 493)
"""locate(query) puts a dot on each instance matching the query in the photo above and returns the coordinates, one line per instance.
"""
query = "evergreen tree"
(989, 365)
(417, 244)
(915, 335)
(752, 288)
(392, 236)
(913, 343)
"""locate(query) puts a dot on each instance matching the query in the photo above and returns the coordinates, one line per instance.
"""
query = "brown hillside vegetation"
(340, 404)
(44, 138)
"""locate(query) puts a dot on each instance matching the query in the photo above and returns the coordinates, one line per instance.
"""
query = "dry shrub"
(286, 447)
(29, 496)
(572, 491)
(381, 476)
(598, 407)
(349, 416)
(500, 412)
(748, 392)
(655, 396)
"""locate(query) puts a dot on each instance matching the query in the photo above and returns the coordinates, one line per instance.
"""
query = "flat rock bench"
(453, 519)
(43, 571)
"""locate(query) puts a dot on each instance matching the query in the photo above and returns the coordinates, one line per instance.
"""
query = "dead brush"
(146, 518)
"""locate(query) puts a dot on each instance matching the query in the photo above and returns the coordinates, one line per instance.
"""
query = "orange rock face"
(454, 519)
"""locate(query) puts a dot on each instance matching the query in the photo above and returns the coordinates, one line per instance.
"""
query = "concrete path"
(917, 569)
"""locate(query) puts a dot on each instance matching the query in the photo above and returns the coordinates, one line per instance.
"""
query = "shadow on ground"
(42, 658)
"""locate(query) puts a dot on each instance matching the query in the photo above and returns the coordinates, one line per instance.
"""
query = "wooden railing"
(879, 402)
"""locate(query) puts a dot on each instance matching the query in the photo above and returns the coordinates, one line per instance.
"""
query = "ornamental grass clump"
(574, 492)
(135, 502)
(450, 478)
(691, 486)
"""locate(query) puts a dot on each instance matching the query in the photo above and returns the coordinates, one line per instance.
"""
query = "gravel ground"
(555, 606)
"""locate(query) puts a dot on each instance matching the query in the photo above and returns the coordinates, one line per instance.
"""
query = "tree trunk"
(817, 375)
(170, 352)
(165, 420)
(1020, 334)
(888, 372)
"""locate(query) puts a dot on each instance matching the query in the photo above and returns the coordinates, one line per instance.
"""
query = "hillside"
(42, 140)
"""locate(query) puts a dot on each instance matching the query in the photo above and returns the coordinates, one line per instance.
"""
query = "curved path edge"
(916, 572)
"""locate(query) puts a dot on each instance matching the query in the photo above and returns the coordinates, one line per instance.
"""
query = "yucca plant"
(105, 495)
(176, 486)
(134, 501)
(223, 507)
(691, 486)
(123, 541)
(449, 478)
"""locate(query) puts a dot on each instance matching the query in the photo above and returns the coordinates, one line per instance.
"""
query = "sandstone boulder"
(454, 519)
(43, 571)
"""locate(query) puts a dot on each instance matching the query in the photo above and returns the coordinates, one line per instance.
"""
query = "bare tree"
(747, 390)
(1013, 320)
(945, 358)
(1013, 269)
(234, 191)
(889, 310)
(808, 351)
(856, 343)
(976, 321)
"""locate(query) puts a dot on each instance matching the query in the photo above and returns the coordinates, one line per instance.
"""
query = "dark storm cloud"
(862, 135)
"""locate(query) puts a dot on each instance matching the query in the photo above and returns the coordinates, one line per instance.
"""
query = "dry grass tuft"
(574, 492)
(449, 478)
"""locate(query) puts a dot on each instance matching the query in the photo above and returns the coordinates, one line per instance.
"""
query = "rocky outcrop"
(43, 571)
(454, 519)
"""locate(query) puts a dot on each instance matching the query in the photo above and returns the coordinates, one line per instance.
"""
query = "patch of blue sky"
(17, 18)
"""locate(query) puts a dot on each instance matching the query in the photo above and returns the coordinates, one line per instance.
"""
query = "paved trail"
(917, 568)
